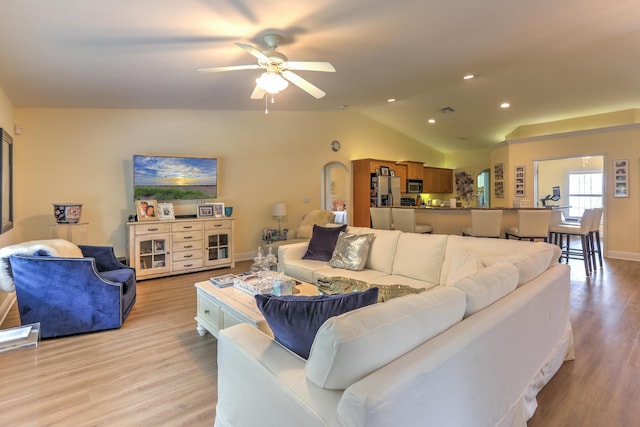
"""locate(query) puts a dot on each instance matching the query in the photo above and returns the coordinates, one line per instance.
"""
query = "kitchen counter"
(448, 220)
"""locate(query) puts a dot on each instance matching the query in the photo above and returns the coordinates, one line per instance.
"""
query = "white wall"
(84, 156)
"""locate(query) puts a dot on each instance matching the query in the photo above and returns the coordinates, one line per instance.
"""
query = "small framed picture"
(377, 171)
(392, 172)
(621, 176)
(147, 210)
(384, 170)
(218, 210)
(205, 211)
(165, 211)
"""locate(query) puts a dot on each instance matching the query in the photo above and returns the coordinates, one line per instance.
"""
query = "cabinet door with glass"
(218, 241)
(152, 254)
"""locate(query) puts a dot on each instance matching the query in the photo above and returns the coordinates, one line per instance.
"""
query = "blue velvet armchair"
(73, 295)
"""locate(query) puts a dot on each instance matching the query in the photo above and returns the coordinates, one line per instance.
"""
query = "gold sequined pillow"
(351, 251)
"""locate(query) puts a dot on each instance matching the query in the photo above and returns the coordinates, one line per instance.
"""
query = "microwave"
(414, 186)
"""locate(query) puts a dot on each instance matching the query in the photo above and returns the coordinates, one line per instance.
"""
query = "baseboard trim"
(628, 256)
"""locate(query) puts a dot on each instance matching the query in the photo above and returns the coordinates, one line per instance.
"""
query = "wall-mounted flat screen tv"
(174, 178)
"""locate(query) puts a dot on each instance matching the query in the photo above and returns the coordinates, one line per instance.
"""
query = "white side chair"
(404, 219)
(532, 224)
(484, 223)
(381, 218)
(583, 230)
(596, 249)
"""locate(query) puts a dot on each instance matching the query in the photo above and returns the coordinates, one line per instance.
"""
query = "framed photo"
(498, 171)
(205, 211)
(392, 172)
(384, 170)
(499, 189)
(165, 211)
(218, 210)
(147, 210)
(377, 171)
(519, 181)
(621, 178)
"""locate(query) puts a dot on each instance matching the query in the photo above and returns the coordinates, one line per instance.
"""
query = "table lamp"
(279, 210)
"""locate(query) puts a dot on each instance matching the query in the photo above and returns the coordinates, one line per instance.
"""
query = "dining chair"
(484, 223)
(404, 219)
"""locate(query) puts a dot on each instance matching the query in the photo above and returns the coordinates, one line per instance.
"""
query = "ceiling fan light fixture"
(272, 82)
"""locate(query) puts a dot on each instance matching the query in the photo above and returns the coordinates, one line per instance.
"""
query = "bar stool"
(595, 237)
(381, 218)
(404, 219)
(583, 230)
(532, 224)
(484, 223)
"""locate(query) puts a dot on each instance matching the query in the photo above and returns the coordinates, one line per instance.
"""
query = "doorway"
(336, 190)
(483, 185)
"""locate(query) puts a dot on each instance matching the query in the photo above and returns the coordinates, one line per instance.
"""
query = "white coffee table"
(219, 308)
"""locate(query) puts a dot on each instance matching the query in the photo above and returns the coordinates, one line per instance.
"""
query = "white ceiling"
(551, 59)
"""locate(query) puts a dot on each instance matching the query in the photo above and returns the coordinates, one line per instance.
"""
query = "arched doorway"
(336, 190)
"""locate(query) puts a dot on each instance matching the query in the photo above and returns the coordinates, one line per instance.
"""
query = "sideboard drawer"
(209, 311)
(217, 225)
(186, 226)
(186, 255)
(186, 236)
(152, 228)
(189, 245)
(187, 264)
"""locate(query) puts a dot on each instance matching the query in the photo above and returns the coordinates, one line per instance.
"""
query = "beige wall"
(6, 122)
(621, 225)
(85, 156)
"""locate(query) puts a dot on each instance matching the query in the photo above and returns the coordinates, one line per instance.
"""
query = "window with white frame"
(585, 191)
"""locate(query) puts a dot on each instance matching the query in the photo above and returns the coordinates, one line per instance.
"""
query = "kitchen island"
(447, 220)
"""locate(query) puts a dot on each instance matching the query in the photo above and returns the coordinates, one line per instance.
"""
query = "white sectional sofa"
(473, 350)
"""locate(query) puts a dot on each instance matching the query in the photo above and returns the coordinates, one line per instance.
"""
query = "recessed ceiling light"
(505, 105)
(432, 121)
(391, 100)
(468, 77)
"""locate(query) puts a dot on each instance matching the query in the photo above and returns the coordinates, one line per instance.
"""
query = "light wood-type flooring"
(157, 371)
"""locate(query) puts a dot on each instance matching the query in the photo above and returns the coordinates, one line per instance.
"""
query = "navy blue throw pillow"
(295, 320)
(323, 241)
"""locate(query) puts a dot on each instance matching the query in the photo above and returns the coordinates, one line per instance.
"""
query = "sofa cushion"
(382, 249)
(531, 261)
(351, 346)
(463, 265)
(351, 251)
(322, 243)
(294, 320)
(488, 285)
(419, 256)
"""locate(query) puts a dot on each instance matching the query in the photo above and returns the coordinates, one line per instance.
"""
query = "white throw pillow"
(488, 285)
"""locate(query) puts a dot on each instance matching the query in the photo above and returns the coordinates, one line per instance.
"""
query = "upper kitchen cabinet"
(437, 180)
(414, 169)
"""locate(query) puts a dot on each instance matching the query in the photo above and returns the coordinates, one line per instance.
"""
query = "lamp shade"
(272, 82)
(279, 209)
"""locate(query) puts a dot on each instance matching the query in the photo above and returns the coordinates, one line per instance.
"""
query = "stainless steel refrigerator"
(388, 190)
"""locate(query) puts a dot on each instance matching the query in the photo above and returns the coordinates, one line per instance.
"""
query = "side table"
(73, 232)
(20, 337)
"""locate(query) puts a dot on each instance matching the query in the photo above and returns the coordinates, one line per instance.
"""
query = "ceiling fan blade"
(253, 51)
(230, 68)
(258, 93)
(311, 66)
(303, 84)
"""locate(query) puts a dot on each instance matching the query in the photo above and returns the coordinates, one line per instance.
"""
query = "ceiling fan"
(278, 70)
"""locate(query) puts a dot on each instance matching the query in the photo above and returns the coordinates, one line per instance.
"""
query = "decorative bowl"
(67, 213)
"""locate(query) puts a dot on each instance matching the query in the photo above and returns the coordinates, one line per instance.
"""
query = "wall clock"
(335, 145)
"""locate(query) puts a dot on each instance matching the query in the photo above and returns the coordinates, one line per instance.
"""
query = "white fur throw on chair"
(53, 247)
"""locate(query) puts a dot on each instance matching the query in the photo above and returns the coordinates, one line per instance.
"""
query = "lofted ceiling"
(550, 59)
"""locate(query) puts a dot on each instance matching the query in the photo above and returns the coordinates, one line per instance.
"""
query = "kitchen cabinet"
(164, 248)
(437, 180)
(414, 169)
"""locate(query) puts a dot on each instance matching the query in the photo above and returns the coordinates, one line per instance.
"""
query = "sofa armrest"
(105, 257)
(256, 372)
(294, 251)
